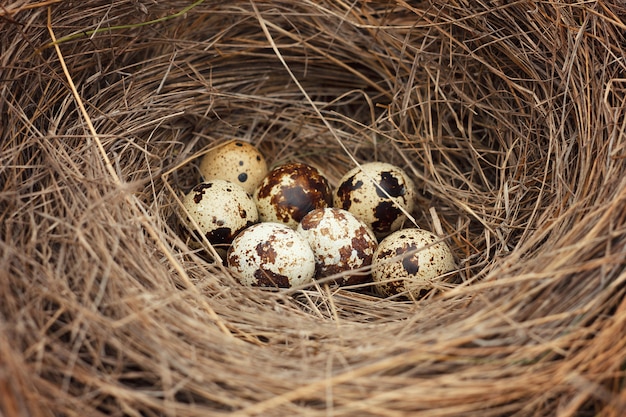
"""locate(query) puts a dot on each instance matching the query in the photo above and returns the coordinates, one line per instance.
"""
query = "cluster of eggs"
(286, 227)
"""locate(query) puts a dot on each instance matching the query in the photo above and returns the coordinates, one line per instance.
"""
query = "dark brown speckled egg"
(290, 191)
(376, 193)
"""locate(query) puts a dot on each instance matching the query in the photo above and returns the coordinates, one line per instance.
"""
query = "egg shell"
(412, 260)
(360, 191)
(220, 208)
(238, 162)
(340, 242)
(290, 191)
(271, 255)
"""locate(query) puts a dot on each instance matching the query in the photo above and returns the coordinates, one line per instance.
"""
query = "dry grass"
(509, 116)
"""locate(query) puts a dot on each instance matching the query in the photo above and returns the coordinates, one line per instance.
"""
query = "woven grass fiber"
(509, 116)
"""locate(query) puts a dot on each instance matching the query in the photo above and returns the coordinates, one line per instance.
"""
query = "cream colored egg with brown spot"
(412, 262)
(341, 243)
(271, 255)
(221, 209)
(378, 193)
(238, 162)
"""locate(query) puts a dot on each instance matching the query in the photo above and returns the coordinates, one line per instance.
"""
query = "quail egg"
(341, 243)
(377, 193)
(271, 255)
(220, 208)
(238, 162)
(290, 191)
(413, 261)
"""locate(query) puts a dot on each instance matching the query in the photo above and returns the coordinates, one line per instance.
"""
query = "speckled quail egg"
(290, 191)
(238, 162)
(271, 255)
(411, 260)
(340, 242)
(363, 192)
(220, 208)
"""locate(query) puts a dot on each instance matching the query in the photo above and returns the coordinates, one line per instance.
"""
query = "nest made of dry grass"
(509, 117)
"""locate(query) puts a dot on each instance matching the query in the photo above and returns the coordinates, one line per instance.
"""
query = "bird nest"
(509, 117)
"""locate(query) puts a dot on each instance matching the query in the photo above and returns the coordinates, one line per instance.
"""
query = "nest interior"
(508, 116)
